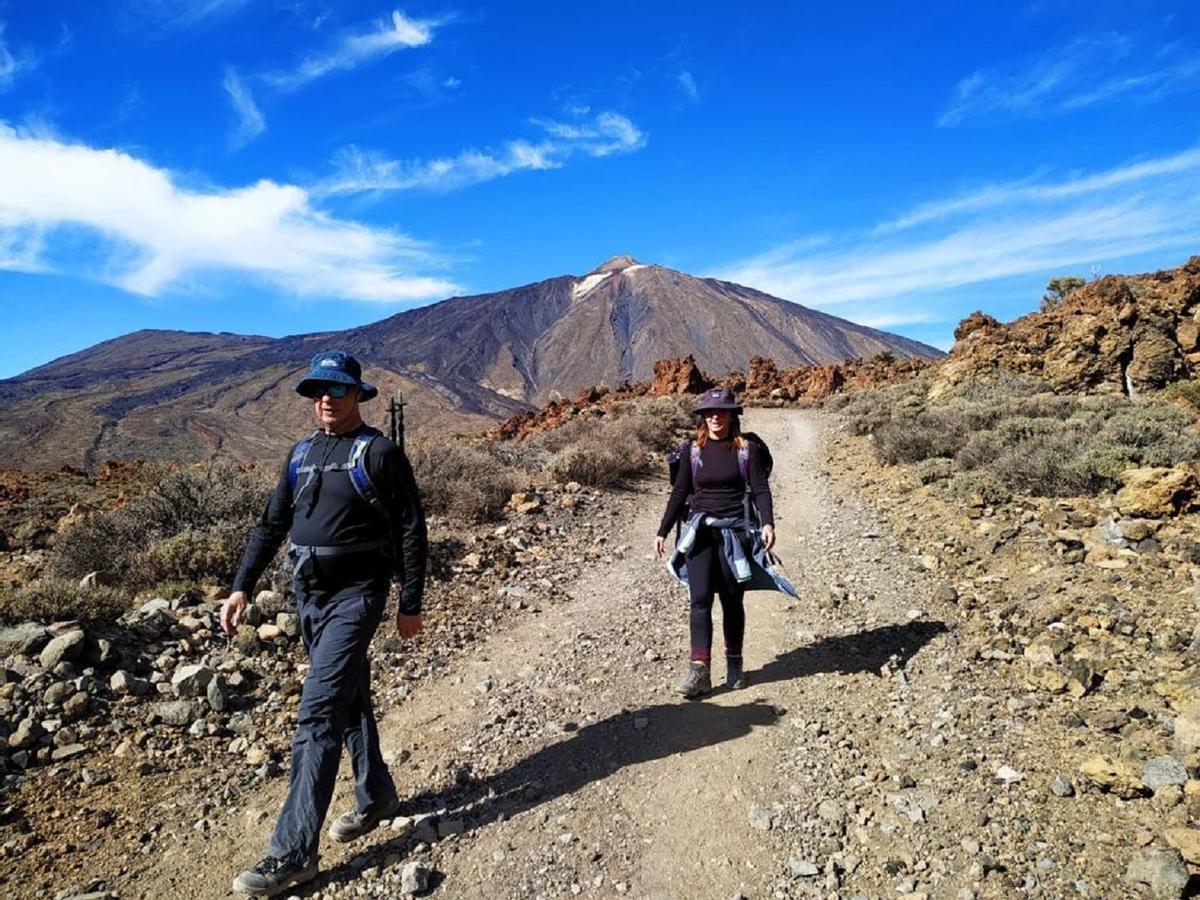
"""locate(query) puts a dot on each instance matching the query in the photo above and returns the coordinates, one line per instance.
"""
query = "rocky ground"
(963, 703)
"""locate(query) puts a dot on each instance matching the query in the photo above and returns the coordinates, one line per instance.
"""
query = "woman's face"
(717, 421)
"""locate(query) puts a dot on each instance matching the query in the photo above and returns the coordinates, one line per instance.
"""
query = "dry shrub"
(465, 482)
(925, 435)
(600, 461)
(1028, 441)
(1186, 391)
(210, 509)
(55, 599)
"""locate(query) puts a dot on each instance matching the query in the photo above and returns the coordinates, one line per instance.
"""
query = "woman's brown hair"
(735, 429)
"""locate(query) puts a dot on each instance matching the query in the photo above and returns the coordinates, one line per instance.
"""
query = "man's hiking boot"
(735, 677)
(696, 682)
(274, 876)
(354, 824)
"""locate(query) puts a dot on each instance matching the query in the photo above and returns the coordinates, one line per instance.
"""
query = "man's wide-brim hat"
(335, 366)
(717, 398)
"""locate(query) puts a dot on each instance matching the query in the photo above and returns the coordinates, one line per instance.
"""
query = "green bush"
(55, 599)
(1187, 391)
(926, 435)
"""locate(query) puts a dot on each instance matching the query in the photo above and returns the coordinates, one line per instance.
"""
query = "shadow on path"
(631, 737)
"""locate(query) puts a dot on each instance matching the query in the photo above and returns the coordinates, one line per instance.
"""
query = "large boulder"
(64, 648)
(1154, 492)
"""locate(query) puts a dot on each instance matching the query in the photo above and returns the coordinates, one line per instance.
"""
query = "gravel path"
(555, 761)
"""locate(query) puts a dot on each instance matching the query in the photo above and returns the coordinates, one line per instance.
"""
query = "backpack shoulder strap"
(696, 462)
(360, 478)
(297, 460)
(743, 456)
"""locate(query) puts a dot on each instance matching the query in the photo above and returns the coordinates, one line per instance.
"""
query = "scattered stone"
(414, 878)
(288, 623)
(174, 712)
(217, 695)
(1163, 771)
(1186, 841)
(68, 752)
(802, 868)
(123, 683)
(1115, 777)
(1061, 786)
(1163, 871)
(762, 818)
(24, 639)
(191, 680)
(64, 648)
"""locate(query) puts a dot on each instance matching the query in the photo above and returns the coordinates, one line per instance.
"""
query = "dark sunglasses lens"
(333, 389)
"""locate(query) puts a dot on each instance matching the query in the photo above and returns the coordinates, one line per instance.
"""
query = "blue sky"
(282, 166)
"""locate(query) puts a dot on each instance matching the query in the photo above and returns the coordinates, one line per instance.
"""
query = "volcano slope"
(554, 760)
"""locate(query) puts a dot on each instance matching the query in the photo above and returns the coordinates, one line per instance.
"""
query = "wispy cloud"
(1088, 71)
(186, 13)
(996, 232)
(606, 134)
(106, 215)
(250, 121)
(687, 84)
(11, 64)
(355, 48)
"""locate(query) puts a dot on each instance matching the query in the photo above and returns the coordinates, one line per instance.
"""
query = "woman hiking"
(722, 551)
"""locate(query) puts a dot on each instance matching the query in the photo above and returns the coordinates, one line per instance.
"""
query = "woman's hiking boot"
(696, 682)
(274, 875)
(735, 677)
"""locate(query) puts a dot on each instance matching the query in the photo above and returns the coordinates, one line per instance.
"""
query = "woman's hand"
(768, 536)
(660, 547)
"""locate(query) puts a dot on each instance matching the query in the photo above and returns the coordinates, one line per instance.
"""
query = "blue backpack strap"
(360, 478)
(296, 463)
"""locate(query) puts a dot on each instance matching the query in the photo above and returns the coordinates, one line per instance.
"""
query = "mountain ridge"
(463, 364)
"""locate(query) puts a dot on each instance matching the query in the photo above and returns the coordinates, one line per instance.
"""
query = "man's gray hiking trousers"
(335, 709)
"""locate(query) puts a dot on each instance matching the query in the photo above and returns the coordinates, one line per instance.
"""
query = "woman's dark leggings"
(708, 573)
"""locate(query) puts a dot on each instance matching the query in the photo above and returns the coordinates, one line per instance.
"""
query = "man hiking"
(348, 500)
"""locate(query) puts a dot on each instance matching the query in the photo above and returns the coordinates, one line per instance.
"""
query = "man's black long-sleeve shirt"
(331, 513)
(719, 485)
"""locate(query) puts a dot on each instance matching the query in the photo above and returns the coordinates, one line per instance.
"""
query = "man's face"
(334, 412)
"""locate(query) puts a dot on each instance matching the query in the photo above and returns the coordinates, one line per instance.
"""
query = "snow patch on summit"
(585, 285)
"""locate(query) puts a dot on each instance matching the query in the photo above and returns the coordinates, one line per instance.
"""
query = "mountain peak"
(615, 264)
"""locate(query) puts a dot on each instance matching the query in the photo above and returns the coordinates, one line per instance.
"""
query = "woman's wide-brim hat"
(717, 398)
(336, 366)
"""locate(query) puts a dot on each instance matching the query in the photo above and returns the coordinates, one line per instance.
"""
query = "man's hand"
(231, 612)
(660, 547)
(408, 626)
(768, 536)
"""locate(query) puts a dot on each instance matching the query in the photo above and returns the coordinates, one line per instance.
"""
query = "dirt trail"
(566, 765)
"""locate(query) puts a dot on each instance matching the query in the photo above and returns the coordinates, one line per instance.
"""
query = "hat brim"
(366, 391)
(734, 408)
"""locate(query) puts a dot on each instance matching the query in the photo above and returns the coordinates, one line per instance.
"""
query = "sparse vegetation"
(48, 599)
(191, 524)
(1011, 435)
(465, 482)
(1058, 289)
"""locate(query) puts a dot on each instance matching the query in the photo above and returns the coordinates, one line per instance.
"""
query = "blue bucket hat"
(337, 366)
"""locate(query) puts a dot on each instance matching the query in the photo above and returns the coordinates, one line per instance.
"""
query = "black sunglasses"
(334, 389)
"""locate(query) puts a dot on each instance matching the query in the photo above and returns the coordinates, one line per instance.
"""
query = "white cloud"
(106, 215)
(687, 84)
(1086, 72)
(359, 172)
(382, 38)
(250, 123)
(997, 232)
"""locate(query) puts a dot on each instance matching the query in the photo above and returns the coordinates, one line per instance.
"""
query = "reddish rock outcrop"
(1117, 334)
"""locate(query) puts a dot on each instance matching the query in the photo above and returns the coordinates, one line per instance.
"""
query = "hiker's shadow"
(602, 748)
